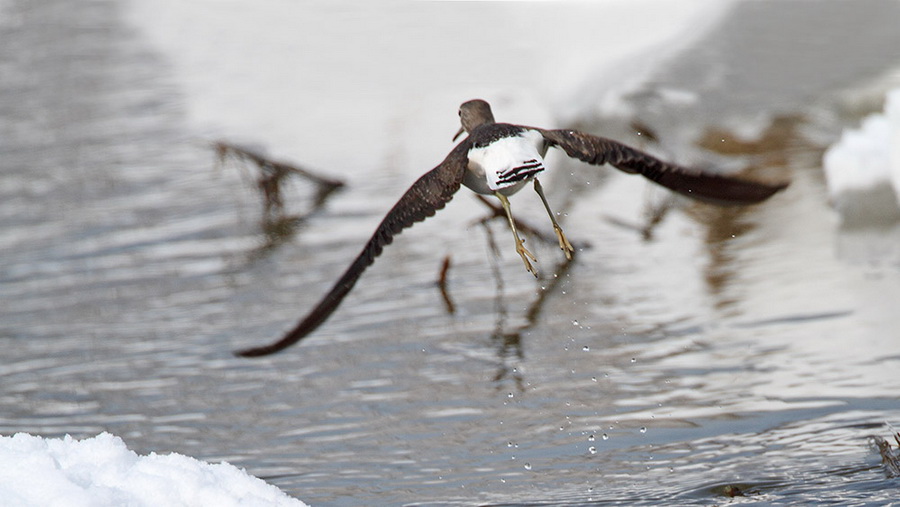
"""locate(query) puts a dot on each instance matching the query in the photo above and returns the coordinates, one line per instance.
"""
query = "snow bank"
(102, 471)
(862, 169)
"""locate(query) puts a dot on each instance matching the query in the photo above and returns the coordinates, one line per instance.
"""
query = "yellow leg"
(520, 246)
(564, 244)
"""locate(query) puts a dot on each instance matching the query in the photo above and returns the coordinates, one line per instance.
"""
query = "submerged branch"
(277, 225)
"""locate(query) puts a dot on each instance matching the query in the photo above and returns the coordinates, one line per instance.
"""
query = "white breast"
(506, 164)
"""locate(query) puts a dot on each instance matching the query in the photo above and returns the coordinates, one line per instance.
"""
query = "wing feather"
(704, 186)
(423, 199)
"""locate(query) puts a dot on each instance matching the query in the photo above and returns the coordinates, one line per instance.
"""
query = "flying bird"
(500, 159)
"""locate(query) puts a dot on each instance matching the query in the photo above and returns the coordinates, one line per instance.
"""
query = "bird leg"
(564, 244)
(520, 244)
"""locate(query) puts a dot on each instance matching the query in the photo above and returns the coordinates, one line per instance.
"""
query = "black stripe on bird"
(499, 159)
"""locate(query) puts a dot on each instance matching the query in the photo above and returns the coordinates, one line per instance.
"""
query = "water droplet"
(586, 348)
(592, 450)
(574, 322)
(527, 466)
(604, 436)
(594, 379)
(591, 438)
(510, 395)
(643, 429)
(633, 360)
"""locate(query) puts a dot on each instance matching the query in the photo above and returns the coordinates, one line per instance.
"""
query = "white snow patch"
(102, 471)
(862, 169)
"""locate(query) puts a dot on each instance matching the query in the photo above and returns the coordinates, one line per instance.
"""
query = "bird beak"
(461, 130)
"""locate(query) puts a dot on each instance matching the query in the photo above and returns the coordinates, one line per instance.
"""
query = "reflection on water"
(727, 348)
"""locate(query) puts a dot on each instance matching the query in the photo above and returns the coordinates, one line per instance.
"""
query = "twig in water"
(442, 284)
(276, 224)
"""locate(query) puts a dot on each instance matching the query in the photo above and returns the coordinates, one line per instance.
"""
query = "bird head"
(472, 114)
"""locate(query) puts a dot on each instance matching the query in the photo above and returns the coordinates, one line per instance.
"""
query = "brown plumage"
(704, 186)
(424, 198)
(434, 189)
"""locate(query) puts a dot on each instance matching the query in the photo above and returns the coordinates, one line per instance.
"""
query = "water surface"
(751, 347)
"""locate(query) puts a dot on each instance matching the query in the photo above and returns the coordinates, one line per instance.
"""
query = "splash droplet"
(527, 466)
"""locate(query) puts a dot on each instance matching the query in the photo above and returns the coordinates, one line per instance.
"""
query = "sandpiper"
(500, 159)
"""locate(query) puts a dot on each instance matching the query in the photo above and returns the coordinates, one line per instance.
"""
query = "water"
(754, 348)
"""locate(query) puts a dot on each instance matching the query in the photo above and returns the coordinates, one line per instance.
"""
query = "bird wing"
(424, 198)
(704, 186)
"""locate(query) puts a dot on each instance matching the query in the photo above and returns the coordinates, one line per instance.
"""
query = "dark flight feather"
(704, 186)
(424, 198)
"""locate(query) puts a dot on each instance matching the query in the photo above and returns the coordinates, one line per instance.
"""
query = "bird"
(499, 159)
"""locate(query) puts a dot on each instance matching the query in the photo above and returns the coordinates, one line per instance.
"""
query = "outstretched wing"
(424, 198)
(705, 186)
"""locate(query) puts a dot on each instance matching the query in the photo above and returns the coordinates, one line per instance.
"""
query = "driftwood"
(277, 225)
(273, 173)
(890, 459)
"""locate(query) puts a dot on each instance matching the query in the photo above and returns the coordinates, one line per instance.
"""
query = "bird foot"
(564, 244)
(526, 255)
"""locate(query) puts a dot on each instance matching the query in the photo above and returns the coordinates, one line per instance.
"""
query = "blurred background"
(687, 347)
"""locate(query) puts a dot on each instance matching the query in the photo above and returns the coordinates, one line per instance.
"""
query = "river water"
(755, 347)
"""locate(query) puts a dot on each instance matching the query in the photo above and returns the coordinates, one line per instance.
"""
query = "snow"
(102, 471)
(862, 169)
(286, 84)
